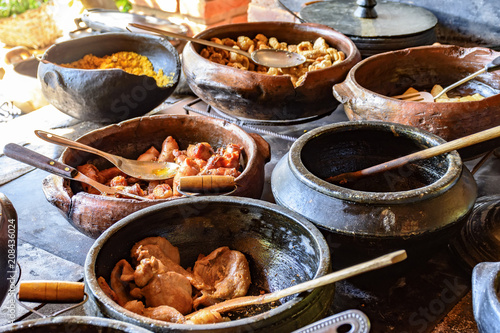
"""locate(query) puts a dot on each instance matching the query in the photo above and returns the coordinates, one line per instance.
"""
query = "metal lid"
(366, 18)
(115, 21)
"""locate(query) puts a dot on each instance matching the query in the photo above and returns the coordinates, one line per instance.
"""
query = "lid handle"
(366, 9)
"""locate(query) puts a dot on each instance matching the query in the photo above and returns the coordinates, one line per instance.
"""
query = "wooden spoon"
(465, 141)
(423, 96)
(345, 273)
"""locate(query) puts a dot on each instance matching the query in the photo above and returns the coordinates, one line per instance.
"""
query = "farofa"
(130, 62)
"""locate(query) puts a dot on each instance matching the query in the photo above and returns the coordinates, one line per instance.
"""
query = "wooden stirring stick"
(465, 141)
(345, 273)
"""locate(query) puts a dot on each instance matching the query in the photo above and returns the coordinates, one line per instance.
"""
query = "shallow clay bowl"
(365, 91)
(92, 214)
(417, 207)
(107, 95)
(282, 249)
(247, 94)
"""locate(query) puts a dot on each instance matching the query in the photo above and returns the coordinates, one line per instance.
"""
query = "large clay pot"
(92, 214)
(282, 248)
(365, 91)
(247, 94)
(416, 207)
(107, 95)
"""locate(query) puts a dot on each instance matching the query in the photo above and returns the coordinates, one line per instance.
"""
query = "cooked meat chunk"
(118, 181)
(121, 275)
(148, 267)
(170, 288)
(151, 154)
(223, 274)
(189, 167)
(167, 149)
(205, 317)
(201, 150)
(163, 312)
(158, 247)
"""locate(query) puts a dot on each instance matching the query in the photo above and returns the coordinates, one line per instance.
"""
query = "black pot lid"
(372, 19)
(115, 21)
(479, 239)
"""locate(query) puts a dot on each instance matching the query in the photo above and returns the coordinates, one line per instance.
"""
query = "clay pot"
(246, 94)
(109, 95)
(92, 214)
(365, 91)
(282, 249)
(73, 324)
(416, 207)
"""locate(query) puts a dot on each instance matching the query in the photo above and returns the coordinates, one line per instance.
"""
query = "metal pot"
(92, 214)
(412, 208)
(109, 95)
(282, 248)
(486, 296)
(8, 246)
(73, 324)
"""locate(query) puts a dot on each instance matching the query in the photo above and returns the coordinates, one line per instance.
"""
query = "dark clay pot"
(486, 296)
(282, 248)
(365, 91)
(111, 95)
(92, 214)
(247, 94)
(415, 207)
(8, 246)
(73, 324)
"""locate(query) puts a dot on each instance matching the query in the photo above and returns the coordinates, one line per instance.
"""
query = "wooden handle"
(207, 184)
(463, 142)
(51, 291)
(37, 160)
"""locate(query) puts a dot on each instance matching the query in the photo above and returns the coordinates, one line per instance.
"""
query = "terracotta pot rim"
(91, 279)
(453, 169)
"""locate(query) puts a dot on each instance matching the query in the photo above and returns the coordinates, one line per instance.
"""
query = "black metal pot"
(109, 95)
(486, 296)
(282, 248)
(413, 208)
(73, 324)
(8, 246)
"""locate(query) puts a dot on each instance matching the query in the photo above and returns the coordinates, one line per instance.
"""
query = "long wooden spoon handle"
(463, 142)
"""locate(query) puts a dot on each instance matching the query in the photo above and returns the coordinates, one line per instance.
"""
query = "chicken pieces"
(197, 159)
(160, 288)
(223, 274)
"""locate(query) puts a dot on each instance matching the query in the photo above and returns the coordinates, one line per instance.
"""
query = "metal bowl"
(73, 324)
(365, 91)
(416, 207)
(109, 95)
(92, 214)
(282, 249)
(250, 95)
(486, 296)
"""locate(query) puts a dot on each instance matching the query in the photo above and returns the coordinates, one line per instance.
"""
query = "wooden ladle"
(383, 261)
(463, 142)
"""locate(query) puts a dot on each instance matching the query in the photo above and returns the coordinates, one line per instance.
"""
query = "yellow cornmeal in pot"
(130, 62)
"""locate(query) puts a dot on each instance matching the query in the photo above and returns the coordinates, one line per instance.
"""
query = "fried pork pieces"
(197, 159)
(159, 288)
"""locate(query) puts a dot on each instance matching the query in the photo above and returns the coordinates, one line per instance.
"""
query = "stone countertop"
(50, 248)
